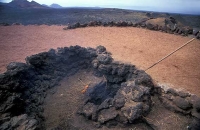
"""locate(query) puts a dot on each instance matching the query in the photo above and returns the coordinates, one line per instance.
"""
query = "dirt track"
(138, 46)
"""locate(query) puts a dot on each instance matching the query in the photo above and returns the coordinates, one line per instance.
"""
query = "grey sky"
(157, 5)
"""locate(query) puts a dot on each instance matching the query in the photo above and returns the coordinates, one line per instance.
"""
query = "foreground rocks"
(122, 98)
(180, 101)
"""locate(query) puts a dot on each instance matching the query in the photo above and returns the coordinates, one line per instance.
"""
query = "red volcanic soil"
(138, 46)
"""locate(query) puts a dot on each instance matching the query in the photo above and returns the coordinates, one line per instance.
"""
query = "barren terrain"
(138, 46)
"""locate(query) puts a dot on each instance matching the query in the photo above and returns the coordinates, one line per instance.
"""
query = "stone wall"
(179, 101)
(23, 86)
(182, 102)
(124, 97)
(167, 25)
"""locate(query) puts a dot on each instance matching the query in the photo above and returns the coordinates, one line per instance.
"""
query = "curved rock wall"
(23, 87)
(167, 25)
(124, 97)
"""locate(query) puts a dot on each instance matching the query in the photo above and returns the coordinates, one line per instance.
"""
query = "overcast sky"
(157, 5)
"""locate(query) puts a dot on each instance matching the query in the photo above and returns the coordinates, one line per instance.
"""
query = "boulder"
(92, 23)
(182, 103)
(16, 121)
(89, 111)
(151, 26)
(105, 24)
(195, 101)
(124, 23)
(100, 49)
(183, 94)
(21, 122)
(198, 36)
(163, 24)
(4, 24)
(117, 104)
(104, 58)
(16, 66)
(129, 24)
(194, 124)
(16, 24)
(173, 20)
(106, 104)
(107, 114)
(132, 110)
(195, 32)
(77, 25)
(83, 25)
(111, 23)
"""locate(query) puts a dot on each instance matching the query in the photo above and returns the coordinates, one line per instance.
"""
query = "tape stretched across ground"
(170, 54)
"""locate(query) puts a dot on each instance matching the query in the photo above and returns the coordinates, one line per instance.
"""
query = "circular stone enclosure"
(123, 97)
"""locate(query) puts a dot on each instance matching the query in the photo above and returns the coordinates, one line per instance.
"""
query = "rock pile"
(124, 98)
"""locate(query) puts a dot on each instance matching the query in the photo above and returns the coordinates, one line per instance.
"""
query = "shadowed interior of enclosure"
(138, 46)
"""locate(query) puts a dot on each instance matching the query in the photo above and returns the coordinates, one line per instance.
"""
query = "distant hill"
(45, 5)
(55, 6)
(25, 4)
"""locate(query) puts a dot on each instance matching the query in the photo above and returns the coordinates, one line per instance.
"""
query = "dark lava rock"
(140, 93)
(100, 92)
(163, 24)
(172, 91)
(119, 102)
(77, 25)
(194, 125)
(106, 104)
(129, 24)
(198, 36)
(187, 30)
(105, 24)
(173, 20)
(195, 32)
(104, 58)
(195, 113)
(4, 24)
(111, 23)
(182, 103)
(171, 106)
(106, 115)
(183, 94)
(92, 23)
(21, 122)
(89, 110)
(123, 105)
(195, 101)
(16, 24)
(16, 65)
(150, 26)
(124, 23)
(23, 87)
(100, 49)
(83, 25)
(132, 111)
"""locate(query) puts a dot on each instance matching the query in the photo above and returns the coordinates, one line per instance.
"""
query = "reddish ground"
(134, 45)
